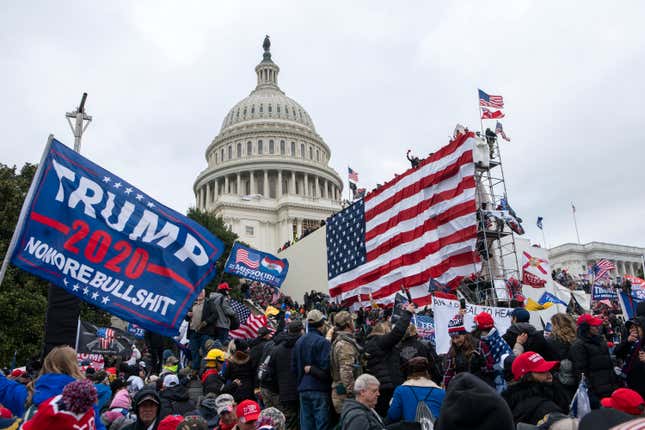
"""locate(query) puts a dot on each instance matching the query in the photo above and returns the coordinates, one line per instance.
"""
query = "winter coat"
(13, 395)
(175, 401)
(118, 408)
(312, 350)
(345, 363)
(634, 369)
(564, 374)
(407, 396)
(138, 425)
(208, 411)
(460, 363)
(411, 347)
(357, 416)
(217, 312)
(531, 401)
(535, 342)
(239, 367)
(281, 368)
(590, 356)
(104, 394)
(212, 382)
(380, 352)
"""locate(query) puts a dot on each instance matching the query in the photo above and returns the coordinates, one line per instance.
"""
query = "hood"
(141, 394)
(239, 358)
(50, 385)
(486, 409)
(209, 404)
(178, 393)
(522, 327)
(291, 339)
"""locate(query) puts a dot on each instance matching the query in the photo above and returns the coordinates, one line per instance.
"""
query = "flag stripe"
(420, 225)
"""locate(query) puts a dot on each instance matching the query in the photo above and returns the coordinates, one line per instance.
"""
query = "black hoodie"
(471, 403)
(531, 401)
(535, 342)
(175, 401)
(281, 366)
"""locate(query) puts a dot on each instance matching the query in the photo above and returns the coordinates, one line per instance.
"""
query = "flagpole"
(481, 121)
(575, 222)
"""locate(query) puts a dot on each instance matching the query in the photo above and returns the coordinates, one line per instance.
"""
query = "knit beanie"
(470, 403)
(271, 419)
(456, 326)
(73, 409)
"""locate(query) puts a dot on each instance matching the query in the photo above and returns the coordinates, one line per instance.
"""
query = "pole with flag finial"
(575, 222)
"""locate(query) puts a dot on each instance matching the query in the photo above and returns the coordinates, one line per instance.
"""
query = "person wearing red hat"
(533, 395)
(590, 355)
(484, 323)
(247, 413)
(625, 400)
(218, 316)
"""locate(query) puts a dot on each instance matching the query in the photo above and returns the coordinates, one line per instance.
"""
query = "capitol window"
(222, 155)
(260, 147)
(270, 109)
(216, 158)
(249, 147)
(293, 149)
(249, 230)
(286, 110)
(282, 147)
(230, 152)
(317, 155)
(271, 147)
(261, 108)
(302, 150)
(239, 150)
(244, 114)
(277, 108)
(311, 153)
(237, 115)
(253, 109)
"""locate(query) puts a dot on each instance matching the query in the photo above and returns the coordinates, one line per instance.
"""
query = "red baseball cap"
(247, 411)
(484, 321)
(588, 319)
(15, 373)
(223, 286)
(531, 362)
(625, 400)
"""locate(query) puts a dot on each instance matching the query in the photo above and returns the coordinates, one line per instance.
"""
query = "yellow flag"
(270, 310)
(532, 305)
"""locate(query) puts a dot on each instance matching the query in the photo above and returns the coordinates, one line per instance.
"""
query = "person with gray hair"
(358, 413)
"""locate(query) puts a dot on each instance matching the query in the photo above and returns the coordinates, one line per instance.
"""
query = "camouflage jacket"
(346, 363)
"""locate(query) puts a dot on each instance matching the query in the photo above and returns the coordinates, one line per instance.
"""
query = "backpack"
(423, 414)
(565, 373)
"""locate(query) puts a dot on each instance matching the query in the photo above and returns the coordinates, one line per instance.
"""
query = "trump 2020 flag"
(250, 263)
(97, 236)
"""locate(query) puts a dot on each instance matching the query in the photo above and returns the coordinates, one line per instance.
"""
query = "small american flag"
(601, 268)
(490, 101)
(249, 323)
(352, 174)
(249, 259)
(500, 130)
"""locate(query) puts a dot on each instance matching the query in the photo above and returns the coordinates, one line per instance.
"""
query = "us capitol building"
(268, 173)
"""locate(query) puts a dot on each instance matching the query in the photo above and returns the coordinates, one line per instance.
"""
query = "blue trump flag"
(550, 298)
(250, 263)
(95, 235)
(599, 292)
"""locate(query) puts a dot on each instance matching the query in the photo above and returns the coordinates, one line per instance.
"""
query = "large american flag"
(490, 101)
(250, 259)
(420, 225)
(601, 268)
(249, 323)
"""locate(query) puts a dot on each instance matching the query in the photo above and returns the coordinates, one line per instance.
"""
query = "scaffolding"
(495, 239)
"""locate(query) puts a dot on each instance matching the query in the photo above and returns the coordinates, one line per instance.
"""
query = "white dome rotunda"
(268, 174)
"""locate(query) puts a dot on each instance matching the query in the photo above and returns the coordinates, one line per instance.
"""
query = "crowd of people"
(320, 366)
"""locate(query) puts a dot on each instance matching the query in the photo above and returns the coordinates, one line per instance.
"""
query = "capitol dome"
(268, 173)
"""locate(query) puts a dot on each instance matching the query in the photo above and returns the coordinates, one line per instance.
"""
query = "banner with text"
(601, 292)
(444, 310)
(95, 235)
(250, 263)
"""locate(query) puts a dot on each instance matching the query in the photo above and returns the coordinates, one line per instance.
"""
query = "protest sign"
(250, 263)
(444, 310)
(95, 235)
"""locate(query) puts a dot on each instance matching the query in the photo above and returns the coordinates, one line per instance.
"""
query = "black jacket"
(357, 416)
(531, 401)
(213, 383)
(535, 342)
(411, 347)
(281, 368)
(239, 367)
(175, 401)
(590, 356)
(380, 351)
(633, 367)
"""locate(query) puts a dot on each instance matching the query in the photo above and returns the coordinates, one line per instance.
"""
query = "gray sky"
(377, 78)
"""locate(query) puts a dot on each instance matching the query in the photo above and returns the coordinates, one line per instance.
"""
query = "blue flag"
(550, 298)
(599, 292)
(100, 238)
(250, 263)
(539, 222)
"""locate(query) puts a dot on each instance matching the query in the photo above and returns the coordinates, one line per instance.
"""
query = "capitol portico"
(578, 258)
(268, 173)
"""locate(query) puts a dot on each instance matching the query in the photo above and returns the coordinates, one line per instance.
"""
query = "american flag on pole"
(249, 323)
(499, 129)
(352, 174)
(496, 102)
(420, 225)
(601, 269)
